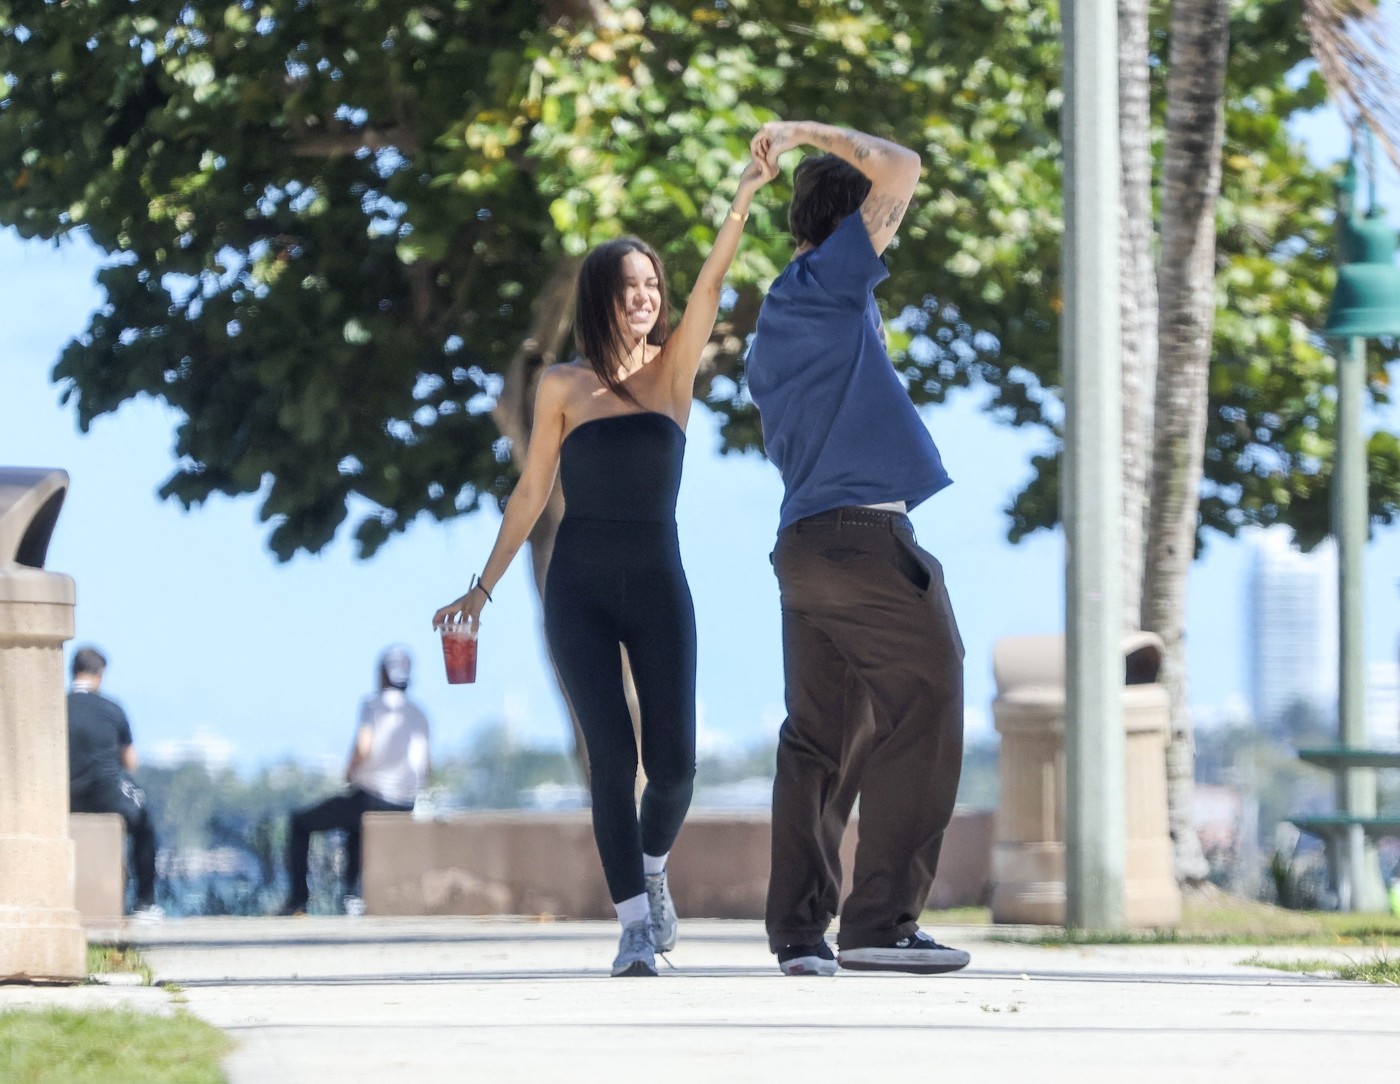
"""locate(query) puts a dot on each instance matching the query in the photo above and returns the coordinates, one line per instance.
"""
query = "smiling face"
(639, 301)
(621, 302)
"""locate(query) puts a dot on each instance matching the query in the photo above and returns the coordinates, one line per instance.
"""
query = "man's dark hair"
(825, 189)
(88, 660)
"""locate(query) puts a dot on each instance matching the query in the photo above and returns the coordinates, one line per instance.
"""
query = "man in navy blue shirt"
(872, 658)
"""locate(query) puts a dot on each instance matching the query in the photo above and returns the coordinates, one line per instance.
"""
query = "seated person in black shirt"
(100, 760)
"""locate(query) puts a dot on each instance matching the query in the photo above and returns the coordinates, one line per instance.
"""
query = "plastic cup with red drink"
(459, 653)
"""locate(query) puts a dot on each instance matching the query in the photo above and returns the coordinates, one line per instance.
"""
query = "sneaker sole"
(808, 965)
(916, 962)
(636, 969)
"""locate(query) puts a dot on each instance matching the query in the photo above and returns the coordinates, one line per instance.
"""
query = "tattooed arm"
(893, 170)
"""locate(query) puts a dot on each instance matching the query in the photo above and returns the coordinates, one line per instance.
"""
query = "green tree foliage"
(223, 837)
(1270, 440)
(328, 222)
(497, 771)
(1269, 437)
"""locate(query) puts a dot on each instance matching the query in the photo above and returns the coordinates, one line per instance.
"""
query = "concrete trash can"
(1028, 849)
(40, 935)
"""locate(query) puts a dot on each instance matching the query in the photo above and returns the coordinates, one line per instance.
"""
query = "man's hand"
(773, 139)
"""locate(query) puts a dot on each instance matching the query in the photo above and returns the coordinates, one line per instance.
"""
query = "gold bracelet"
(737, 217)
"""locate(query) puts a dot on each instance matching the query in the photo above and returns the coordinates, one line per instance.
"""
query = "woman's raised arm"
(687, 342)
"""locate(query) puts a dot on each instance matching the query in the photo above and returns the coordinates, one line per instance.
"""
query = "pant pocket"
(913, 567)
(936, 590)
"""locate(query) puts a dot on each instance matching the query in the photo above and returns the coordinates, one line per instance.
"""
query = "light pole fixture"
(1365, 304)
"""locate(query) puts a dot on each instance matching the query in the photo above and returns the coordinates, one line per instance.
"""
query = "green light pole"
(1366, 304)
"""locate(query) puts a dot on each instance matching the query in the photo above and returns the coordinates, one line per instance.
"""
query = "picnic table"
(1347, 828)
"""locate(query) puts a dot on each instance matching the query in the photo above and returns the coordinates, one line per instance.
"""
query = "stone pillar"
(1028, 853)
(40, 935)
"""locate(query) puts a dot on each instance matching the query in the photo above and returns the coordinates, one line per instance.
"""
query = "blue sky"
(208, 635)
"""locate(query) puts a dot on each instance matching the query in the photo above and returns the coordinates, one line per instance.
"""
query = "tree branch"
(335, 144)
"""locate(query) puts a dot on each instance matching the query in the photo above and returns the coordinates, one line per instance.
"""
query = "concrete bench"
(99, 866)
(547, 864)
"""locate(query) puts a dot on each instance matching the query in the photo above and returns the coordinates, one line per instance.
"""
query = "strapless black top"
(623, 467)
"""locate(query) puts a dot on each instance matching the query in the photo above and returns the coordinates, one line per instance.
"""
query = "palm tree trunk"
(1139, 292)
(1186, 284)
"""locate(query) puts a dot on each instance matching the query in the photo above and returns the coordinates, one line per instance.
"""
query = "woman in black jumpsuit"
(612, 427)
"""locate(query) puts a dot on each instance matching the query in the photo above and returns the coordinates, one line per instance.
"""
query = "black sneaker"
(919, 954)
(807, 959)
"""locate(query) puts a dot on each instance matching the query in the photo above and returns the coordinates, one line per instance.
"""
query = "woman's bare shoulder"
(569, 373)
(567, 379)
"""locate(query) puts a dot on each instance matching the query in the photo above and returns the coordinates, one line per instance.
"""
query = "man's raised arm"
(893, 170)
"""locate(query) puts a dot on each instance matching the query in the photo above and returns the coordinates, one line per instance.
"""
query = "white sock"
(651, 864)
(633, 910)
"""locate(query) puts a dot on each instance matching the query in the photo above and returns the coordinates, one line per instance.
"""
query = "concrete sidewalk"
(387, 1000)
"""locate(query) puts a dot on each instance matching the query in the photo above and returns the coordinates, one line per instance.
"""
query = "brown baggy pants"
(873, 666)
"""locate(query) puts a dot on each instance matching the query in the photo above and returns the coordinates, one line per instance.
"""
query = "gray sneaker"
(636, 953)
(663, 912)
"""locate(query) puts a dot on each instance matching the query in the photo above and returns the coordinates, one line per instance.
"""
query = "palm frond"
(1355, 46)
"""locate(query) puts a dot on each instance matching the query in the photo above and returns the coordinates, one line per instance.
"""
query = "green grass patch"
(1307, 967)
(1382, 969)
(60, 1046)
(958, 916)
(1361, 927)
(1210, 917)
(108, 959)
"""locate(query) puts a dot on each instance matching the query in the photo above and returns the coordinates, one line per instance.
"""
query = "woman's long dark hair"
(598, 336)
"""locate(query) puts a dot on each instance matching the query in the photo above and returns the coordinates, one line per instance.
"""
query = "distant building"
(1383, 703)
(213, 751)
(1293, 629)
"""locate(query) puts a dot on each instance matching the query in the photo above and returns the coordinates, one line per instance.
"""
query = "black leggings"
(340, 811)
(614, 583)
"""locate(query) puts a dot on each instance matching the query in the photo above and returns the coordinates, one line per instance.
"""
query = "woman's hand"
(465, 610)
(757, 173)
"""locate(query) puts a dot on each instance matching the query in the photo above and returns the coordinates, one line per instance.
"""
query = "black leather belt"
(859, 516)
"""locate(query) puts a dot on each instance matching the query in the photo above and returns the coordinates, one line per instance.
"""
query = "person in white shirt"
(388, 765)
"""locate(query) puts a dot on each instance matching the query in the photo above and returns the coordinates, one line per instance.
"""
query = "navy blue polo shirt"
(837, 419)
